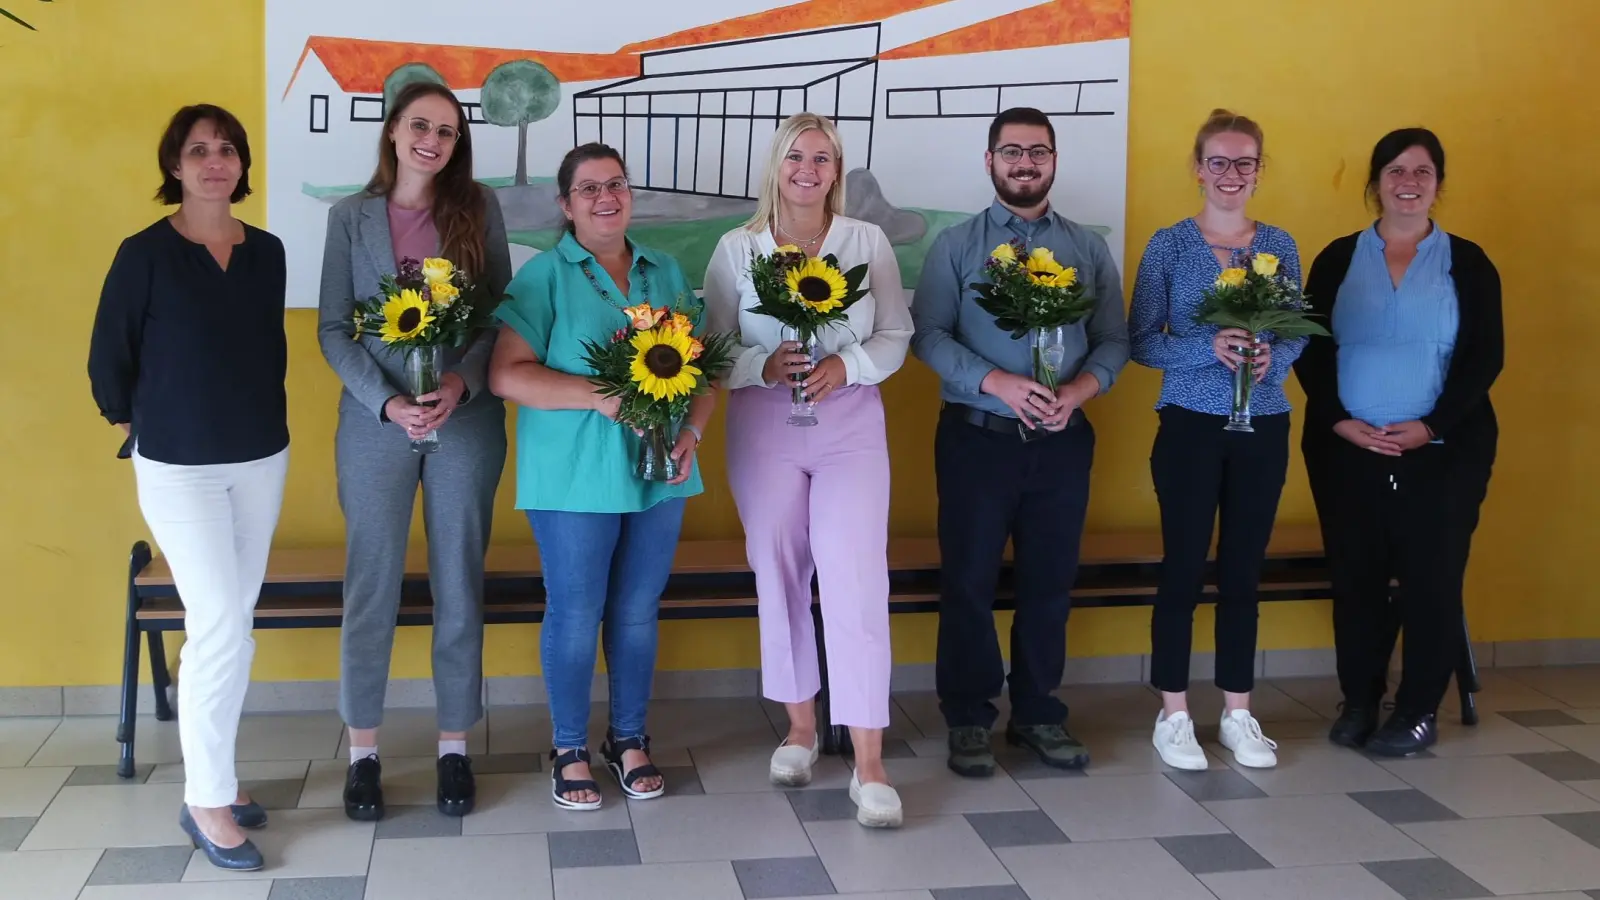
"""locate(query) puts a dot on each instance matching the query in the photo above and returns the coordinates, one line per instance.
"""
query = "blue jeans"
(609, 567)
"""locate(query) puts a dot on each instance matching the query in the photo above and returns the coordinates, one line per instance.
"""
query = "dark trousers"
(1200, 471)
(994, 486)
(1409, 519)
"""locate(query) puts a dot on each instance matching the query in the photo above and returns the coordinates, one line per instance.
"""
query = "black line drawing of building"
(974, 101)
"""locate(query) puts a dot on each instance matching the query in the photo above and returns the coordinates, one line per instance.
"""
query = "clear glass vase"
(655, 455)
(802, 412)
(1244, 383)
(1049, 347)
(424, 365)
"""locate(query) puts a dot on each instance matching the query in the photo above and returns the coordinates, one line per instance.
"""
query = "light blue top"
(1395, 343)
(1177, 269)
(577, 460)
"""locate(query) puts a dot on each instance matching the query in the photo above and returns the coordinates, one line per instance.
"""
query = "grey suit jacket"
(358, 253)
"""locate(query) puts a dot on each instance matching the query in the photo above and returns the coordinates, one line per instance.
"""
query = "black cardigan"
(1463, 407)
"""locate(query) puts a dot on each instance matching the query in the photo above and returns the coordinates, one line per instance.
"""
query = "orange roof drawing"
(804, 16)
(359, 66)
(1045, 25)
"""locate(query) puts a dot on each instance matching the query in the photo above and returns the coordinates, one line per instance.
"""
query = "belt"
(1005, 424)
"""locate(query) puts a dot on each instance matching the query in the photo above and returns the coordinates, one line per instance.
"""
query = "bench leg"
(835, 738)
(1467, 677)
(130, 664)
(161, 678)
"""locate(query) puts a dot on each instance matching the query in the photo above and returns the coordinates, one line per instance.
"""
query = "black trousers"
(994, 486)
(1200, 471)
(1409, 519)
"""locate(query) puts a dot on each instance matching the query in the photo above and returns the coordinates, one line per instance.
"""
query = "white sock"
(357, 754)
(448, 747)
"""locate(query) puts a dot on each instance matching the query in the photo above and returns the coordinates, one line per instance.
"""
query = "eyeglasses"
(590, 190)
(1012, 153)
(1244, 165)
(420, 127)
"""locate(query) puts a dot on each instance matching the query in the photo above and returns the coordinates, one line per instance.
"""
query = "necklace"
(606, 295)
(798, 240)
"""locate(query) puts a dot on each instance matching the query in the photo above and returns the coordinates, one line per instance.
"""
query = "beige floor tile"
(407, 781)
(1326, 829)
(521, 804)
(665, 881)
(1486, 786)
(92, 741)
(301, 843)
(1267, 703)
(1118, 870)
(1492, 736)
(1320, 695)
(45, 875)
(1584, 739)
(415, 732)
(144, 815)
(240, 890)
(927, 787)
(1571, 685)
(934, 853)
(291, 736)
(718, 827)
(1130, 753)
(720, 722)
(1516, 855)
(891, 895)
(744, 769)
(21, 738)
(1502, 690)
(1587, 716)
(24, 793)
(266, 770)
(526, 729)
(1120, 807)
(1307, 883)
(494, 867)
(1317, 767)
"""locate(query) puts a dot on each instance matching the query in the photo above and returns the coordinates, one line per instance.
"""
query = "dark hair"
(177, 134)
(1225, 121)
(576, 157)
(1020, 115)
(1390, 146)
(459, 211)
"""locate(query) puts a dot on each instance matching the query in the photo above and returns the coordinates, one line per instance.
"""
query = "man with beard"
(1011, 456)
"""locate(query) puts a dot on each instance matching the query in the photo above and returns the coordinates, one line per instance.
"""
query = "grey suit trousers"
(378, 477)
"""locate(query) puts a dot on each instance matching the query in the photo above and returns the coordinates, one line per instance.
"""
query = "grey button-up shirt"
(961, 342)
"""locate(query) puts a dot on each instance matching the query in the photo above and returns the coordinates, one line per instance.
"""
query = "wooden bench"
(710, 580)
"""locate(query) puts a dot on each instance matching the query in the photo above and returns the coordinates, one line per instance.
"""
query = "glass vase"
(1244, 383)
(424, 365)
(802, 412)
(1049, 348)
(655, 455)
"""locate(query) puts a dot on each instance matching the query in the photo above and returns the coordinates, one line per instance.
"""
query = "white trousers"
(214, 526)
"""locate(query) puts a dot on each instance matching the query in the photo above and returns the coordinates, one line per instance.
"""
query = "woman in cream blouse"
(816, 498)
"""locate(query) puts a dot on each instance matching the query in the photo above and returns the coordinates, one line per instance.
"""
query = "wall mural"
(691, 93)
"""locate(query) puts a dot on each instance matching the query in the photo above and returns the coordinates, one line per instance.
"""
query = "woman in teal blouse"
(606, 537)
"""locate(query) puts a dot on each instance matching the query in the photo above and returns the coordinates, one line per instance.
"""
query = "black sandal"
(613, 749)
(560, 787)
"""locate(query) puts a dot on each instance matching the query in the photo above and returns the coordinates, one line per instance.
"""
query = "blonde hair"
(782, 141)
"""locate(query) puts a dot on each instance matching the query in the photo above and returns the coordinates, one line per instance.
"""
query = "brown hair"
(576, 157)
(177, 134)
(459, 211)
(1223, 121)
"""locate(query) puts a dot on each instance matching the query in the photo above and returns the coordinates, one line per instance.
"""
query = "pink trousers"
(817, 499)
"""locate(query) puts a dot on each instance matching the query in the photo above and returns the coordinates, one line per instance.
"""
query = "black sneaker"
(1053, 744)
(363, 790)
(971, 755)
(1354, 726)
(458, 790)
(1405, 734)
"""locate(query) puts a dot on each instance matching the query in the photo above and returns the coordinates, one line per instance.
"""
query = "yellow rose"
(1231, 278)
(1265, 264)
(444, 293)
(1004, 253)
(788, 248)
(435, 271)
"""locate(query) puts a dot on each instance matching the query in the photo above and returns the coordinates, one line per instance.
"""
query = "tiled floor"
(1510, 808)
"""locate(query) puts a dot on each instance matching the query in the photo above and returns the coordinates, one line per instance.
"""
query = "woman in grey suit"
(421, 202)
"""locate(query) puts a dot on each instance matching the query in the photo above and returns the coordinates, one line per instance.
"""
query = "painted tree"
(519, 93)
(406, 74)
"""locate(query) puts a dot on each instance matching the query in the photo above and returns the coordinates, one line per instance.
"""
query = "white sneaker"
(791, 764)
(1175, 741)
(1241, 733)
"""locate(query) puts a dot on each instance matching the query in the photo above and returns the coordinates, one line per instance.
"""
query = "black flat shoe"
(249, 815)
(1354, 726)
(458, 790)
(1405, 734)
(243, 858)
(363, 790)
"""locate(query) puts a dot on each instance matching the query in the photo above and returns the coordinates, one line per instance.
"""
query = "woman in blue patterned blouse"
(1198, 467)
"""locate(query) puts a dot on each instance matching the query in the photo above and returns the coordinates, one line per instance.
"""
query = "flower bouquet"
(1036, 296)
(422, 309)
(654, 365)
(1256, 299)
(805, 295)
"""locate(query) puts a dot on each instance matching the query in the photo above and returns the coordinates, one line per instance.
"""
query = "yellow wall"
(1507, 83)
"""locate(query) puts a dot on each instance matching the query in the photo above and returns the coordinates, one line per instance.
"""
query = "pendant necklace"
(814, 238)
(606, 295)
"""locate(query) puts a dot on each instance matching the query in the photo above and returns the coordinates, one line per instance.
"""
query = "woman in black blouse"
(188, 358)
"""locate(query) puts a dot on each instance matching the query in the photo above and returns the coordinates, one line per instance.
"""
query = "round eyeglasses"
(1244, 165)
(590, 190)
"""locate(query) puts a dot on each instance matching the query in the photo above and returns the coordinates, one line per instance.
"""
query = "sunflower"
(661, 364)
(817, 285)
(1042, 266)
(404, 317)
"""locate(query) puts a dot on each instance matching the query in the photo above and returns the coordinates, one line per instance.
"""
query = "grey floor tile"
(790, 877)
(587, 849)
(1564, 766)
(1426, 879)
(896, 748)
(1205, 854)
(1513, 855)
(992, 892)
(1216, 784)
(84, 776)
(141, 865)
(1541, 718)
(1400, 807)
(670, 881)
(1583, 825)
(1029, 828)
(277, 793)
(1490, 787)
(822, 806)
(507, 763)
(349, 888)
(682, 781)
(416, 822)
(1337, 882)
(13, 831)
(718, 827)
(1121, 807)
